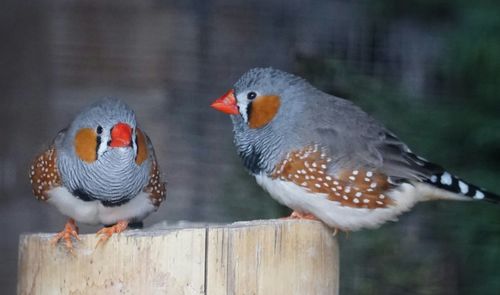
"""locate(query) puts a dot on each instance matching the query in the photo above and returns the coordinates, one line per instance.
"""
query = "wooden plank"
(272, 257)
(136, 262)
(258, 257)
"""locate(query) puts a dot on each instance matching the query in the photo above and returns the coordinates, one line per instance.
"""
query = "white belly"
(343, 217)
(94, 212)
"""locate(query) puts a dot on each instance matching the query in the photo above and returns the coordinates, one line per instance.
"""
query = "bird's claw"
(107, 232)
(308, 216)
(70, 231)
(299, 215)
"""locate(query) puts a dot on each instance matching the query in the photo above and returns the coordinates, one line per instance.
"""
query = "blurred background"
(430, 70)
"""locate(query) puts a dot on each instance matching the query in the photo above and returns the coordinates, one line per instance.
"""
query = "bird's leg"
(70, 230)
(107, 232)
(299, 215)
(308, 216)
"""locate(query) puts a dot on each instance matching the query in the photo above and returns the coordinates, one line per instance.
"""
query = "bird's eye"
(251, 95)
(99, 129)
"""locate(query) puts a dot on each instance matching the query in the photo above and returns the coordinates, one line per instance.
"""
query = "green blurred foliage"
(440, 247)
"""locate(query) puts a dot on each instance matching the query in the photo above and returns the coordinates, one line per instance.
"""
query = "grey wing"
(358, 141)
(59, 138)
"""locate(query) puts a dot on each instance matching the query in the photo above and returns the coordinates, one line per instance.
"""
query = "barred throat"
(113, 179)
(260, 154)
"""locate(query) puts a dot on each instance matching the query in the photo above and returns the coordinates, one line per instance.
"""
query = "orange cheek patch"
(86, 145)
(264, 108)
(142, 148)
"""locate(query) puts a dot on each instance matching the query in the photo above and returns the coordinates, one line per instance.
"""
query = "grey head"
(97, 155)
(276, 112)
(269, 102)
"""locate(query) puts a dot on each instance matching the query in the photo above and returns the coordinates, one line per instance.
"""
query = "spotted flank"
(156, 188)
(308, 168)
(451, 183)
(44, 174)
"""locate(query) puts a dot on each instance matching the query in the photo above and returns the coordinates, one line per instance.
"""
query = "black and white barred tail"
(453, 184)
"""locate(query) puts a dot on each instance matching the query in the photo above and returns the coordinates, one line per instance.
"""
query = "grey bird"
(101, 169)
(325, 158)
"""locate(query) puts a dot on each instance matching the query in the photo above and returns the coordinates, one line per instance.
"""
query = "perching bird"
(325, 158)
(101, 169)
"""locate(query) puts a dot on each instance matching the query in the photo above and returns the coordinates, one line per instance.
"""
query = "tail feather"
(453, 184)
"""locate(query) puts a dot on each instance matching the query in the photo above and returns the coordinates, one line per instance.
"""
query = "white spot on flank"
(355, 200)
(345, 197)
(373, 185)
(464, 188)
(479, 195)
(369, 174)
(446, 178)
(367, 179)
(317, 185)
(366, 201)
(434, 178)
(355, 172)
(328, 178)
(352, 178)
(358, 194)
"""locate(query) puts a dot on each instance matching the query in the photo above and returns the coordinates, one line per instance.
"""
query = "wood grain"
(258, 257)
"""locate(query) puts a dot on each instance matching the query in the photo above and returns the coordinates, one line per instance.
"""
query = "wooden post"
(258, 257)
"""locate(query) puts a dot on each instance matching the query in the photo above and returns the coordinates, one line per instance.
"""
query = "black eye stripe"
(249, 110)
(98, 140)
(98, 144)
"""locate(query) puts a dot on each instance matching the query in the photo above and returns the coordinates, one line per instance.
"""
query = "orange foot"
(308, 216)
(70, 230)
(107, 232)
(298, 215)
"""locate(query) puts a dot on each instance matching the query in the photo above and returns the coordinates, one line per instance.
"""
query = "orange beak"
(226, 103)
(121, 135)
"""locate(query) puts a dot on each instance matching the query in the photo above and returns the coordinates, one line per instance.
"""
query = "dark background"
(430, 70)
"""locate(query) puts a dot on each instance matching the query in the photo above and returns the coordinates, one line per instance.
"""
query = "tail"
(450, 183)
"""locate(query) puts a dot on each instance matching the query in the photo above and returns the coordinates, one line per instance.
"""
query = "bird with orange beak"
(327, 159)
(102, 169)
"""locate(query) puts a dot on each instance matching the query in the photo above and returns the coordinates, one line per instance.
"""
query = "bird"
(101, 169)
(326, 158)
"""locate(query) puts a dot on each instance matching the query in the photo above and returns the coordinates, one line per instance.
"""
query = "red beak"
(121, 135)
(226, 103)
